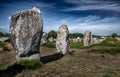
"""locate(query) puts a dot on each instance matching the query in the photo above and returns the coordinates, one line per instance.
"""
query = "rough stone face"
(51, 39)
(76, 40)
(95, 41)
(44, 38)
(62, 41)
(26, 32)
(5, 39)
(87, 38)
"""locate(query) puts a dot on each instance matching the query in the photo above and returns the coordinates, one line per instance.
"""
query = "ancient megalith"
(62, 41)
(26, 32)
(87, 38)
(44, 38)
(95, 41)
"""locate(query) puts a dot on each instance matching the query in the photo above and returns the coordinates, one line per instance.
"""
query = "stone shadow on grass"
(11, 71)
(51, 58)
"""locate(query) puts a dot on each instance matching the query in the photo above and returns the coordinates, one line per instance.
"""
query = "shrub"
(4, 34)
(52, 33)
(30, 64)
(114, 35)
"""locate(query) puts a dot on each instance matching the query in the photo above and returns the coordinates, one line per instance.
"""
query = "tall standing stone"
(87, 38)
(62, 41)
(26, 32)
(44, 38)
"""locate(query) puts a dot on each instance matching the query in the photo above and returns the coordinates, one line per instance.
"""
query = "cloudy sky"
(102, 17)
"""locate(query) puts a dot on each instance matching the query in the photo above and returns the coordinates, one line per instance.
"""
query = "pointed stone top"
(63, 26)
(26, 11)
(88, 31)
(36, 9)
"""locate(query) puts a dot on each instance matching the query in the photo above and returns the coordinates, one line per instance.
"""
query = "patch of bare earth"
(80, 64)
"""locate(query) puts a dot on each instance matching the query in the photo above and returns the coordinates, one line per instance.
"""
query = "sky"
(102, 17)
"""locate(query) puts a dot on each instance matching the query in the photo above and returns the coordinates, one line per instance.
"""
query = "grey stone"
(26, 32)
(44, 38)
(54, 39)
(76, 40)
(51, 39)
(118, 38)
(87, 38)
(62, 41)
(95, 41)
(5, 39)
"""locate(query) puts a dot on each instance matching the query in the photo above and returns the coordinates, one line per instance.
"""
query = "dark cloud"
(79, 15)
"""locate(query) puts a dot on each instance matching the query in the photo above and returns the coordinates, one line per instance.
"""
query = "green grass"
(72, 45)
(3, 45)
(4, 65)
(109, 45)
(49, 44)
(30, 64)
(111, 51)
(110, 73)
(111, 42)
(77, 45)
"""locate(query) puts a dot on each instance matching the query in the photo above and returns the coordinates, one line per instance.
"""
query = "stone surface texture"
(44, 38)
(26, 32)
(95, 41)
(87, 38)
(4, 39)
(62, 41)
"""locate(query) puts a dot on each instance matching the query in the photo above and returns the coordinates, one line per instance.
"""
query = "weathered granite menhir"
(87, 38)
(62, 41)
(26, 32)
(44, 38)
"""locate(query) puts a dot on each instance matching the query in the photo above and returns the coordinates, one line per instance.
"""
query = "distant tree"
(75, 35)
(114, 35)
(52, 33)
(4, 35)
(1, 34)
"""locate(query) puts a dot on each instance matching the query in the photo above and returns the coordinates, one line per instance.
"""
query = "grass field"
(101, 60)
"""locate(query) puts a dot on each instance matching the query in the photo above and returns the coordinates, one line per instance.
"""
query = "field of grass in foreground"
(104, 50)
(110, 42)
(79, 63)
(109, 45)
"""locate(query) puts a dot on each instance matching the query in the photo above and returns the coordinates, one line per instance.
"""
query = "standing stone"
(5, 39)
(44, 38)
(51, 39)
(74, 40)
(26, 32)
(62, 41)
(95, 41)
(87, 38)
(78, 39)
